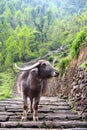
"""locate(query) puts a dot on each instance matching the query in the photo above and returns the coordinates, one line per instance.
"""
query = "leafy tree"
(12, 51)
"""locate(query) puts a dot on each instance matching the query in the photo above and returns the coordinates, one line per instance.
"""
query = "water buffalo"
(32, 83)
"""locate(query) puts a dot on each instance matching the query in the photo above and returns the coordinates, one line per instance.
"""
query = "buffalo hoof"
(35, 118)
(24, 118)
(31, 111)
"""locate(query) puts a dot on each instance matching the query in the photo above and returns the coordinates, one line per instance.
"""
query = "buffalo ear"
(35, 70)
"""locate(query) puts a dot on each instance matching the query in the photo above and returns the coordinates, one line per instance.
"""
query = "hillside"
(31, 29)
(74, 84)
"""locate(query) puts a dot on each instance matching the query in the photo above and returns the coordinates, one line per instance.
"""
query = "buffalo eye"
(44, 64)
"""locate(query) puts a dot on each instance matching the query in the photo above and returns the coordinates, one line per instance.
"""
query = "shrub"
(79, 42)
(84, 64)
(50, 59)
(63, 64)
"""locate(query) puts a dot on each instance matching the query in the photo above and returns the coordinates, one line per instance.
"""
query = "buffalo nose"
(57, 73)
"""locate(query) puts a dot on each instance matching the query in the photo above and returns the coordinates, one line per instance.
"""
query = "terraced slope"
(54, 113)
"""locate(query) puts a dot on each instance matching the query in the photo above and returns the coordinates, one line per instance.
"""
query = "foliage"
(50, 59)
(84, 65)
(6, 83)
(79, 41)
(64, 64)
(30, 29)
(25, 27)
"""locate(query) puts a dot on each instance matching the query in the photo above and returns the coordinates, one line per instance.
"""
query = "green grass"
(6, 84)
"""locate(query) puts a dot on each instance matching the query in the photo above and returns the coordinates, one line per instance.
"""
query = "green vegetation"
(6, 84)
(64, 64)
(79, 41)
(29, 29)
(84, 65)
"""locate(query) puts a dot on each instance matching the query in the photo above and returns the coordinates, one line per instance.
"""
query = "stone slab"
(45, 124)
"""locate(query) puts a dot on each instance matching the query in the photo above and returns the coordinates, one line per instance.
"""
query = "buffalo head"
(44, 68)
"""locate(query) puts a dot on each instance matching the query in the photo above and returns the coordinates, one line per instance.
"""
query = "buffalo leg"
(25, 108)
(31, 109)
(35, 111)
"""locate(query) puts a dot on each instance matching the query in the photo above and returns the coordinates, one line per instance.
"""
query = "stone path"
(54, 113)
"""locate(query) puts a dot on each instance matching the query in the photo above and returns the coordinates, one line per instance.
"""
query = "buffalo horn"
(27, 67)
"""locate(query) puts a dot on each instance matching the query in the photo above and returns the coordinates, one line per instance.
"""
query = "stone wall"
(79, 90)
(75, 83)
(54, 87)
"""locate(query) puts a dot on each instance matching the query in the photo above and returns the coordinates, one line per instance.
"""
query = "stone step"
(42, 116)
(63, 117)
(53, 113)
(42, 129)
(6, 116)
(29, 129)
(45, 124)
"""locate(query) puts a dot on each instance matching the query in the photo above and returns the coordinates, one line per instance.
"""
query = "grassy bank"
(6, 84)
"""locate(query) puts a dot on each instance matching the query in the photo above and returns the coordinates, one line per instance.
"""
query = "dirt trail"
(54, 113)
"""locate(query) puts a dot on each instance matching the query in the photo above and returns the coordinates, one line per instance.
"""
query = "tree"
(12, 51)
